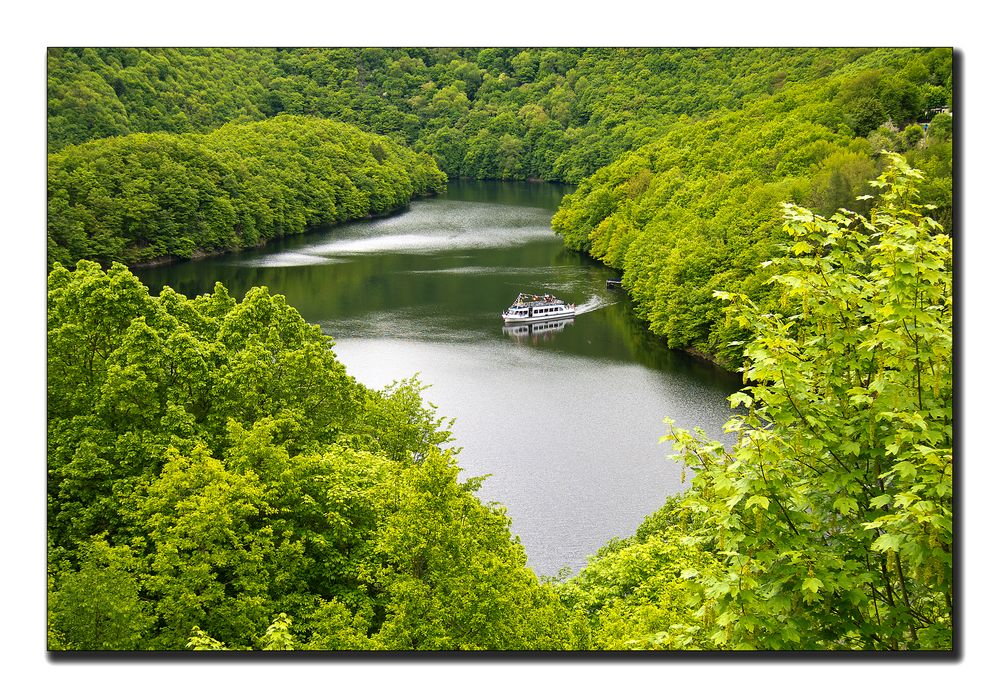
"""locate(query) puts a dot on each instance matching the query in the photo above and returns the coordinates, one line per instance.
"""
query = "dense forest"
(144, 197)
(176, 502)
(557, 114)
(787, 212)
(698, 210)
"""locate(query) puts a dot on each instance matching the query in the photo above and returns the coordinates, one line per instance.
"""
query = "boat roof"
(536, 299)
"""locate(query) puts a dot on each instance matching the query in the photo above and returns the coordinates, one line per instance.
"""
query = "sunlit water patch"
(572, 444)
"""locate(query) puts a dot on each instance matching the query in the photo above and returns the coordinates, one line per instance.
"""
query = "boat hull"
(538, 318)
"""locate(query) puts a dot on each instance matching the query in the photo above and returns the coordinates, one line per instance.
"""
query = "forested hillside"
(698, 210)
(693, 149)
(212, 465)
(148, 196)
(553, 113)
(829, 522)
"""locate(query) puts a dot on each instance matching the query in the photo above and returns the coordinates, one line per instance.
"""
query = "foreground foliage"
(217, 480)
(832, 515)
(828, 524)
(212, 466)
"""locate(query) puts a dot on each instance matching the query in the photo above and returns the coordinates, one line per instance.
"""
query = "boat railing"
(531, 298)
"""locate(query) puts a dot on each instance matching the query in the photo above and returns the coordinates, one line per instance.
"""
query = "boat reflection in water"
(544, 329)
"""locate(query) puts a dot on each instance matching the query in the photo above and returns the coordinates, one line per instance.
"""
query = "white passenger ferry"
(531, 308)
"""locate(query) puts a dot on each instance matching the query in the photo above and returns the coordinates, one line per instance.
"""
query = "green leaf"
(886, 542)
(740, 399)
(881, 500)
(845, 505)
(812, 584)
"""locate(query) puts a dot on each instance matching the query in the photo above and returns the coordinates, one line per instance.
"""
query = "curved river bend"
(566, 419)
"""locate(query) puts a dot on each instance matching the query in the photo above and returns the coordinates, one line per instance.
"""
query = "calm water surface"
(566, 419)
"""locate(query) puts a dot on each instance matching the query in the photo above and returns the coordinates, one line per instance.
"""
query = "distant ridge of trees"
(491, 113)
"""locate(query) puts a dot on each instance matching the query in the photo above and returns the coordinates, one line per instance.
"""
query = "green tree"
(99, 606)
(182, 513)
(450, 573)
(912, 136)
(150, 196)
(640, 593)
(832, 514)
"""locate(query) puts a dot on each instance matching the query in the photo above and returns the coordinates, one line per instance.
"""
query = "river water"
(566, 419)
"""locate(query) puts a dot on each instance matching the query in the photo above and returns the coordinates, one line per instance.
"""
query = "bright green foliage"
(201, 642)
(278, 635)
(146, 196)
(832, 514)
(217, 480)
(95, 92)
(399, 418)
(98, 605)
(643, 592)
(201, 497)
(212, 467)
(440, 556)
(698, 147)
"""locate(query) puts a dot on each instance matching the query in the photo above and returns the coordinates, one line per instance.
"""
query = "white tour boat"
(531, 308)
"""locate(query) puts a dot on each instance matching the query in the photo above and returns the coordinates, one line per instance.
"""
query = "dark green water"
(566, 419)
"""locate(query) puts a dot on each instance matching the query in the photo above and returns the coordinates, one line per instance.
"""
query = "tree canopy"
(698, 210)
(217, 480)
(511, 113)
(212, 466)
(145, 197)
(828, 524)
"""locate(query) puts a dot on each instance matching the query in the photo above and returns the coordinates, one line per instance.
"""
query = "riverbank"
(166, 260)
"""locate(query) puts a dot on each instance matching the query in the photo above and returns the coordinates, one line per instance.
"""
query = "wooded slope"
(143, 197)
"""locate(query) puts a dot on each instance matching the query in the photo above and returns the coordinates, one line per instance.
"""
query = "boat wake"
(593, 303)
